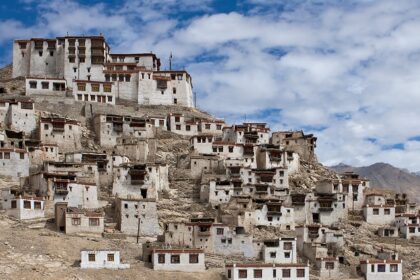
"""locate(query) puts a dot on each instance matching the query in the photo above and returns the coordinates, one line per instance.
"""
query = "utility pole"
(170, 62)
(138, 231)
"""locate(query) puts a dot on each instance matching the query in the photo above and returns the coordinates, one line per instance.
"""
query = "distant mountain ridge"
(385, 176)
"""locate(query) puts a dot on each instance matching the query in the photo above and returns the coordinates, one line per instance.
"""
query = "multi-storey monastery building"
(84, 66)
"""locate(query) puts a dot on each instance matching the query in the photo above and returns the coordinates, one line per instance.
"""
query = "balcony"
(58, 128)
(137, 182)
(274, 213)
(313, 235)
(325, 209)
(61, 190)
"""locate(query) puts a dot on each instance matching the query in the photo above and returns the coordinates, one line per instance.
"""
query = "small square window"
(92, 257)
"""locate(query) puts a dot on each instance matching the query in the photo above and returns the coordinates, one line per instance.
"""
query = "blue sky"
(347, 71)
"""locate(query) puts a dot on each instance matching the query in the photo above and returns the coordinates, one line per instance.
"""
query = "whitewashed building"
(258, 271)
(185, 260)
(63, 132)
(137, 216)
(26, 208)
(84, 221)
(14, 162)
(99, 259)
(378, 269)
(379, 214)
(45, 86)
(94, 91)
(18, 114)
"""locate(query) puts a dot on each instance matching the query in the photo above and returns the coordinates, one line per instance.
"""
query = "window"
(71, 59)
(329, 265)
(92, 257)
(21, 155)
(193, 258)
(187, 127)
(32, 84)
(107, 88)
(175, 259)
(381, 268)
(178, 127)
(372, 268)
(110, 257)
(109, 98)
(95, 87)
(257, 273)
(412, 229)
(40, 53)
(287, 246)
(79, 97)
(286, 273)
(375, 211)
(243, 273)
(174, 90)
(76, 221)
(274, 273)
(393, 268)
(81, 87)
(273, 255)
(175, 101)
(219, 231)
(286, 255)
(161, 258)
(94, 221)
(387, 211)
(300, 273)
(219, 127)
(81, 59)
(46, 126)
(45, 85)
(37, 205)
(14, 204)
(230, 149)
(27, 204)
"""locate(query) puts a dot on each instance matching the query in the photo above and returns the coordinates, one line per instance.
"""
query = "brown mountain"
(386, 176)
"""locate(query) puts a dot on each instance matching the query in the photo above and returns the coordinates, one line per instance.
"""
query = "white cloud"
(350, 67)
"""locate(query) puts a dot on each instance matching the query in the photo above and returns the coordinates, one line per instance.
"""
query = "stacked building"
(243, 173)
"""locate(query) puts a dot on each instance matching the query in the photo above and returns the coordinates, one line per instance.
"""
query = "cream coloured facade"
(83, 61)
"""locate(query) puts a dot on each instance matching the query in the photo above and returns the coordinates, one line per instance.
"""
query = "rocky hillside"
(386, 176)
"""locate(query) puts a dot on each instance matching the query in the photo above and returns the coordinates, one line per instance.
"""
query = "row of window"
(92, 222)
(387, 211)
(27, 204)
(258, 273)
(382, 268)
(97, 98)
(176, 259)
(109, 257)
(6, 155)
(120, 78)
(94, 87)
(46, 85)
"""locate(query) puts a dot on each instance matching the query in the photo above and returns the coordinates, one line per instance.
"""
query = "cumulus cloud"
(344, 70)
